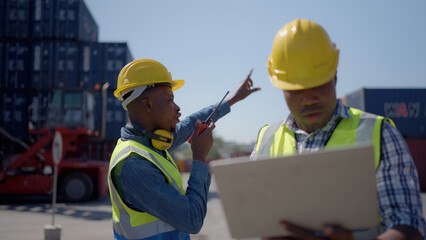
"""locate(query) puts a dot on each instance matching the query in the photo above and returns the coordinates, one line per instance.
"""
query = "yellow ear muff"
(166, 139)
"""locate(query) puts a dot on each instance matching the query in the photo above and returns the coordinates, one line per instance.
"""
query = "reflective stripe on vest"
(126, 221)
(363, 128)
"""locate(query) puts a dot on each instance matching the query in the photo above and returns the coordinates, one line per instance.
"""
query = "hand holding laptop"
(329, 232)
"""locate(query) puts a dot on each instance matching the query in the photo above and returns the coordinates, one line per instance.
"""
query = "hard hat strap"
(136, 92)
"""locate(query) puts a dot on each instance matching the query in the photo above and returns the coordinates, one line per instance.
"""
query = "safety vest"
(131, 223)
(362, 128)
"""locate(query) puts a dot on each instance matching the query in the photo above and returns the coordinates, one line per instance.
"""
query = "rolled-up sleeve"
(185, 128)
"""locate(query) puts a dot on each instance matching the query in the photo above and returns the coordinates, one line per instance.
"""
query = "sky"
(213, 44)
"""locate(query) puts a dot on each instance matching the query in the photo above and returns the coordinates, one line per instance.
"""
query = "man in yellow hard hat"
(303, 63)
(148, 199)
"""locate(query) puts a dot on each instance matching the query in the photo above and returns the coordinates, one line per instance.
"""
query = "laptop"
(310, 189)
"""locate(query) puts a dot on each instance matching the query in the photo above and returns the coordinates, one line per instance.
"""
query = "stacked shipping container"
(48, 45)
(407, 108)
(47, 19)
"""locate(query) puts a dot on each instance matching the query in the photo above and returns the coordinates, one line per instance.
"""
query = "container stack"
(407, 108)
(48, 46)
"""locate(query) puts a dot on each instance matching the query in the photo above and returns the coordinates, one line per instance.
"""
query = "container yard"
(56, 76)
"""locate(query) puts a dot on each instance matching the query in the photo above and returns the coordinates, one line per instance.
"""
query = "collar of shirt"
(126, 134)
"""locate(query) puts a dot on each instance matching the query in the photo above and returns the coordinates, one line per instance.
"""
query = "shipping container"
(43, 19)
(54, 47)
(38, 108)
(115, 116)
(16, 64)
(74, 21)
(91, 66)
(2, 96)
(115, 57)
(418, 152)
(2, 14)
(42, 65)
(101, 63)
(51, 68)
(66, 65)
(15, 23)
(14, 112)
(406, 107)
(2, 63)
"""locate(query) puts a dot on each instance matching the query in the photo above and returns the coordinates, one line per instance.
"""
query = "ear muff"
(160, 139)
(163, 140)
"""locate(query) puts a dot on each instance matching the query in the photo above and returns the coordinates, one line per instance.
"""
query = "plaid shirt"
(397, 181)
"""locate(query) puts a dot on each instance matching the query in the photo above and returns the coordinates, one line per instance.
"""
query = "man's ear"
(139, 104)
(145, 104)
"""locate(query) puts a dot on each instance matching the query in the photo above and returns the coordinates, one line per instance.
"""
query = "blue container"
(98, 111)
(6, 145)
(42, 65)
(2, 14)
(115, 57)
(116, 116)
(15, 16)
(14, 115)
(66, 65)
(38, 108)
(16, 65)
(2, 63)
(406, 107)
(43, 19)
(2, 95)
(91, 65)
(74, 21)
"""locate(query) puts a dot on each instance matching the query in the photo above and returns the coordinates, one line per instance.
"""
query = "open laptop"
(311, 189)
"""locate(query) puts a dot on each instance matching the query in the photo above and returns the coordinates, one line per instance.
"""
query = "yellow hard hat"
(302, 56)
(143, 72)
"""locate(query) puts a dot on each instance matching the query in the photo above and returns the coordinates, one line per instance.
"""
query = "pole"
(55, 183)
(53, 232)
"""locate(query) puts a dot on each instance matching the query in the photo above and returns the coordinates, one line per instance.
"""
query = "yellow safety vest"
(126, 221)
(362, 128)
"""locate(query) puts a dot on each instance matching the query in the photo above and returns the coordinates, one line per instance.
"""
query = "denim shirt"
(143, 187)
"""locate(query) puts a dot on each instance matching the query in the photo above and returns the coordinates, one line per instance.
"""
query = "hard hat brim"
(294, 86)
(176, 84)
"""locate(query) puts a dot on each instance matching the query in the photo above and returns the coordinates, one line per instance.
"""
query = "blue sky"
(213, 44)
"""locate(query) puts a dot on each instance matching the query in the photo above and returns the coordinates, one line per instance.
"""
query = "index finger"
(249, 74)
(211, 125)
